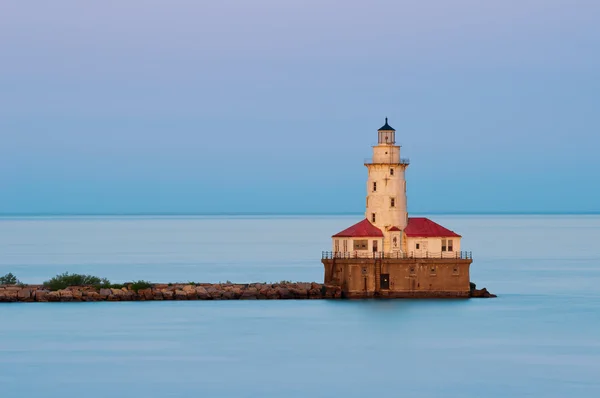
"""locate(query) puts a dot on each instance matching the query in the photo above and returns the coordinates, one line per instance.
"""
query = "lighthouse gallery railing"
(461, 255)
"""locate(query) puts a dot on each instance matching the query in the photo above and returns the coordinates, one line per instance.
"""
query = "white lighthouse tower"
(386, 189)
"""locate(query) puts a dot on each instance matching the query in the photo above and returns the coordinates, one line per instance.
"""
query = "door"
(421, 248)
(374, 246)
(385, 281)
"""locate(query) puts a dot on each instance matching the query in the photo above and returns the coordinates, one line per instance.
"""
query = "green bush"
(65, 280)
(139, 285)
(9, 279)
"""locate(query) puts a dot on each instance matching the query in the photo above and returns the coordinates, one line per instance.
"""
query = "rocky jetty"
(157, 292)
(481, 293)
(181, 291)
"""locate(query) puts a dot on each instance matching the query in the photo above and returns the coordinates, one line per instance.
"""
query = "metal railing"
(461, 255)
(403, 161)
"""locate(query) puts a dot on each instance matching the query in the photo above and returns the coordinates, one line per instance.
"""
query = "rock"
(65, 295)
(105, 292)
(77, 294)
(91, 296)
(146, 294)
(168, 294)
(214, 293)
(9, 295)
(249, 293)
(236, 291)
(285, 293)
(202, 293)
(53, 296)
(180, 295)
(299, 293)
(331, 292)
(128, 295)
(157, 294)
(24, 295)
(189, 288)
(40, 296)
(481, 293)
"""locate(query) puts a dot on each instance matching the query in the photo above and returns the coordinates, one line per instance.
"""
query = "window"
(455, 271)
(412, 270)
(337, 245)
(391, 172)
(444, 248)
(345, 245)
(417, 246)
(393, 202)
(450, 248)
(374, 186)
(432, 270)
(361, 244)
(373, 217)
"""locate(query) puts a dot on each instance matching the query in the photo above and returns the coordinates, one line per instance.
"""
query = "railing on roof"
(403, 161)
(461, 255)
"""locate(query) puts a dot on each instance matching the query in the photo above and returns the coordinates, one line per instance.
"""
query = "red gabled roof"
(424, 227)
(361, 229)
(394, 228)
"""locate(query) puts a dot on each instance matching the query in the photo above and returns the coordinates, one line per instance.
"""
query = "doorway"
(385, 281)
(374, 246)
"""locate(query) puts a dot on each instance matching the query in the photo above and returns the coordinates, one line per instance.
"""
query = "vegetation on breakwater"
(65, 280)
(9, 279)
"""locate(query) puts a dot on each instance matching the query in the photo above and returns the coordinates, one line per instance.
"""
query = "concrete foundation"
(399, 277)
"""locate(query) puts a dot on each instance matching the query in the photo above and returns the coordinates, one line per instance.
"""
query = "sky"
(271, 106)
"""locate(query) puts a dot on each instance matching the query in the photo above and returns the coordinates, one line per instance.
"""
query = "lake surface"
(540, 337)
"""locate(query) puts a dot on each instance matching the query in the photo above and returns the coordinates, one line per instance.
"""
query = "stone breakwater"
(158, 292)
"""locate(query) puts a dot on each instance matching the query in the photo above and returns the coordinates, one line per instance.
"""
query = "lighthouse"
(388, 253)
(386, 189)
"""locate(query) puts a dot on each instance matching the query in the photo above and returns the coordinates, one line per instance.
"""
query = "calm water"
(541, 337)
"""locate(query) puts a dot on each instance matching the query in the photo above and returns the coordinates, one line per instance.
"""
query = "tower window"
(374, 186)
(392, 202)
(391, 172)
(372, 217)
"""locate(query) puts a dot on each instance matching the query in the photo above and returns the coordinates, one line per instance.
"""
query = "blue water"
(540, 337)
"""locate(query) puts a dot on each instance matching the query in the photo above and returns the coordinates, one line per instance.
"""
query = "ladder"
(377, 275)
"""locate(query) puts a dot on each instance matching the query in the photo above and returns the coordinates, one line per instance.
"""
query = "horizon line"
(183, 214)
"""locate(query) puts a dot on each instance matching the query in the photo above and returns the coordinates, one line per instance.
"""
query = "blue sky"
(177, 106)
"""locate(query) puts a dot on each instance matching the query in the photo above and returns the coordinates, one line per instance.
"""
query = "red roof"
(394, 228)
(360, 229)
(424, 227)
